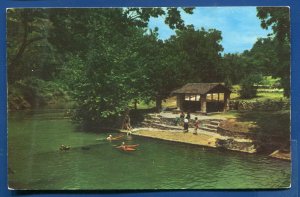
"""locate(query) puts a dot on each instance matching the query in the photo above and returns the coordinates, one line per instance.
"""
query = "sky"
(239, 26)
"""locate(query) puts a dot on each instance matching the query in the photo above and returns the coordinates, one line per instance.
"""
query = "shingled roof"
(200, 88)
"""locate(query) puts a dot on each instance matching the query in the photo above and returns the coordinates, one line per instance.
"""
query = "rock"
(278, 154)
(232, 144)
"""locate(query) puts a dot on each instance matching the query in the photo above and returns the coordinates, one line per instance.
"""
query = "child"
(196, 126)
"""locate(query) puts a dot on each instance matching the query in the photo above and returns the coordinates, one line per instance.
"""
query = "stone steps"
(161, 126)
(208, 129)
(215, 122)
(212, 126)
(152, 121)
(158, 122)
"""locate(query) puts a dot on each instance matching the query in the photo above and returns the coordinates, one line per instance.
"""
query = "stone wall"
(267, 105)
(232, 144)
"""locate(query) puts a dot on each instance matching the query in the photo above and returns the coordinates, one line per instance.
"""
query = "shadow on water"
(115, 124)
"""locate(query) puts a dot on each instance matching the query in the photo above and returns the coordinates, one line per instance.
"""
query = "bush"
(248, 90)
(267, 105)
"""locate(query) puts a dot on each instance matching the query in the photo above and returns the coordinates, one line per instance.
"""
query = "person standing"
(186, 125)
(127, 124)
(182, 115)
(196, 125)
(188, 116)
(181, 118)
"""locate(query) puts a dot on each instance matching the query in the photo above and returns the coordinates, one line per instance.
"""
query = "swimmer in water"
(109, 137)
(64, 147)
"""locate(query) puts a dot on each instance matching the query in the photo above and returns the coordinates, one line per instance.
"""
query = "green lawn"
(144, 105)
(272, 123)
(261, 95)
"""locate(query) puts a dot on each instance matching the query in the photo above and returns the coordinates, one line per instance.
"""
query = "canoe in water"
(129, 146)
(132, 145)
(115, 138)
(128, 149)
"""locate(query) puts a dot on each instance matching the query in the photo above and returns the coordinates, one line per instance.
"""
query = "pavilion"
(203, 97)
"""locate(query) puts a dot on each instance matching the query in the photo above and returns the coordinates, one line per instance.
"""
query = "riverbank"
(211, 134)
(203, 138)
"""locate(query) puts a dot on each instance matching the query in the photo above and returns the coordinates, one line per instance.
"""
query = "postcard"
(148, 98)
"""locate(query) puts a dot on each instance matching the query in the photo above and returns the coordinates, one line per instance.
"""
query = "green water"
(36, 163)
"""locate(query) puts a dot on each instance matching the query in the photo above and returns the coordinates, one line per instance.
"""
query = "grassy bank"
(276, 123)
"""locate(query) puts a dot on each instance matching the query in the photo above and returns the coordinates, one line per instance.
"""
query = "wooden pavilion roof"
(201, 88)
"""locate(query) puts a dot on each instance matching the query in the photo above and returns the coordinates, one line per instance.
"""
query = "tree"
(231, 68)
(248, 88)
(279, 20)
(191, 55)
(201, 53)
(140, 16)
(263, 55)
(27, 47)
(106, 63)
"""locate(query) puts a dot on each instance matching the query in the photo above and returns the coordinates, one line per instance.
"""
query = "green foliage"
(104, 56)
(270, 123)
(232, 68)
(279, 19)
(29, 54)
(270, 82)
(228, 82)
(189, 56)
(198, 54)
(248, 90)
(107, 58)
(276, 17)
(110, 75)
(268, 56)
(140, 16)
(33, 92)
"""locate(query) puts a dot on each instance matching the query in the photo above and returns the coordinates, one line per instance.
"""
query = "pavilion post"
(203, 103)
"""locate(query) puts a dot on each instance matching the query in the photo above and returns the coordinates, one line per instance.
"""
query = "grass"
(144, 105)
(271, 123)
(261, 95)
(169, 102)
(227, 115)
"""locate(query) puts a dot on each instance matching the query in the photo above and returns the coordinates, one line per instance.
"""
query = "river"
(93, 163)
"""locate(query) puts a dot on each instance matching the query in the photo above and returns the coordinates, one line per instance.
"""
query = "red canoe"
(129, 146)
(127, 149)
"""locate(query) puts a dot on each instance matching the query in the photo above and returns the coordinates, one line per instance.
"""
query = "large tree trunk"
(158, 103)
(135, 104)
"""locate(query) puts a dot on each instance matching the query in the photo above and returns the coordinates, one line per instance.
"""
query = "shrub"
(248, 90)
